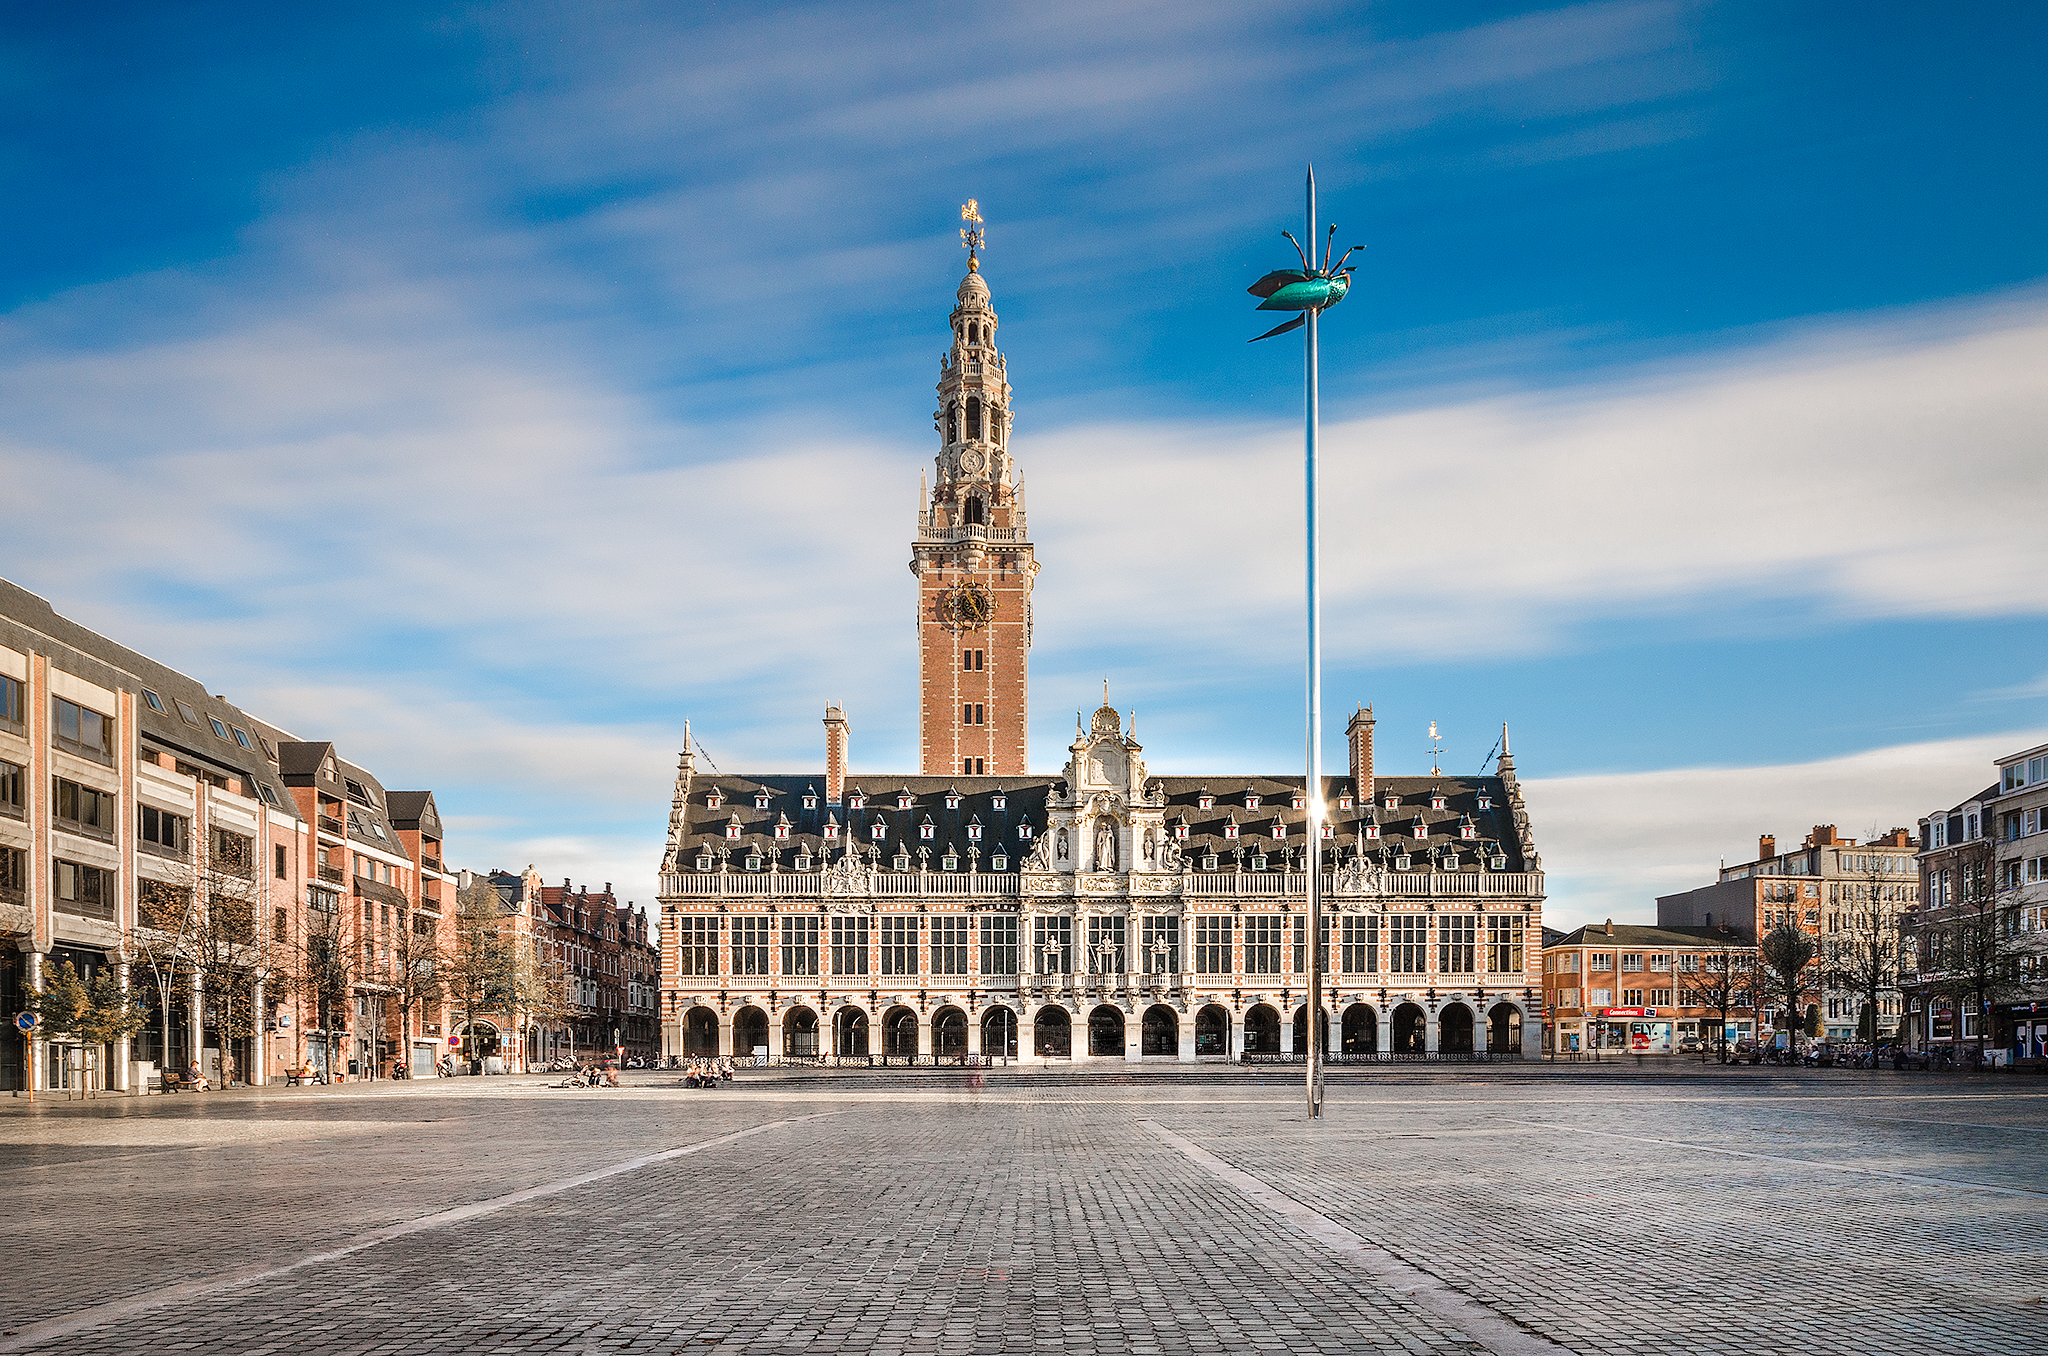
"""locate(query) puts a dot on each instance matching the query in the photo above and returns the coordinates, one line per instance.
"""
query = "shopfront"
(2028, 1023)
(1635, 1031)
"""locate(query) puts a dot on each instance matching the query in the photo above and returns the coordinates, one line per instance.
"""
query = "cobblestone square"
(1595, 1211)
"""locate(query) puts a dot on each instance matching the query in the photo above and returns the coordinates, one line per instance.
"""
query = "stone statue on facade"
(1105, 845)
(1063, 853)
(1151, 849)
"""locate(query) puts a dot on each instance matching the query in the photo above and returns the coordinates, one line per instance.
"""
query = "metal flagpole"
(1313, 474)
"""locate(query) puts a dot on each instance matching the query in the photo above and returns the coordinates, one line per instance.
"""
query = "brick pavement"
(1027, 1218)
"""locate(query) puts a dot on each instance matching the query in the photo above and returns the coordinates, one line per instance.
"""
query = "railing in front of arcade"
(1256, 884)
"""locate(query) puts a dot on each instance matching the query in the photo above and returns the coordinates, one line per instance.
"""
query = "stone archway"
(1454, 1030)
(1301, 1026)
(851, 1024)
(899, 1032)
(999, 1033)
(1106, 1031)
(1360, 1033)
(1411, 1030)
(700, 1033)
(1504, 1030)
(1261, 1030)
(1052, 1034)
(1212, 1030)
(1160, 1034)
(800, 1034)
(949, 1033)
(750, 1032)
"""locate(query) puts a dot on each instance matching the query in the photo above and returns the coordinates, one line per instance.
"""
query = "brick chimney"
(1823, 835)
(1766, 847)
(1359, 733)
(836, 732)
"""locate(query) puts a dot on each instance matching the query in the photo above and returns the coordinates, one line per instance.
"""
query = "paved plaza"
(1539, 1210)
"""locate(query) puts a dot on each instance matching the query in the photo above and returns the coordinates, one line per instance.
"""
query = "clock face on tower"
(966, 607)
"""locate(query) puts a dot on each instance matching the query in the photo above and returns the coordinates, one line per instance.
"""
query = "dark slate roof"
(100, 660)
(413, 810)
(1025, 797)
(1637, 934)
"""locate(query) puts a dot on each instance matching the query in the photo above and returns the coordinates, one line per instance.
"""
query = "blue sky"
(493, 388)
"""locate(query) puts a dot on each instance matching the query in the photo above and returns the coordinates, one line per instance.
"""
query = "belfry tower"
(973, 558)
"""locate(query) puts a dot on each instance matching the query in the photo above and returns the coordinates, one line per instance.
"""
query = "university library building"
(974, 911)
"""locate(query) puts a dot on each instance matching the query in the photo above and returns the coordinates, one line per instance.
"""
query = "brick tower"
(973, 559)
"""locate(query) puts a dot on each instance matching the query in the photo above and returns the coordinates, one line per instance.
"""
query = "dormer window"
(1205, 801)
(1208, 861)
(1024, 831)
(1468, 830)
(999, 802)
(974, 830)
(949, 862)
(1421, 830)
(760, 800)
(831, 834)
(1392, 802)
(803, 861)
(878, 831)
(782, 831)
(1343, 802)
(1180, 832)
(1251, 800)
(703, 861)
(903, 800)
(810, 800)
(732, 827)
(1372, 831)
(1299, 802)
(1401, 862)
(753, 861)
(713, 798)
(1230, 830)
(952, 800)
(1499, 861)
(1279, 829)
(859, 801)
(999, 863)
(927, 829)
(1485, 800)
(1258, 861)
(1436, 800)
(901, 861)
(1329, 831)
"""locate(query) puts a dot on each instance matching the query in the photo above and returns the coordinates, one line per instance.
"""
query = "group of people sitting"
(707, 1073)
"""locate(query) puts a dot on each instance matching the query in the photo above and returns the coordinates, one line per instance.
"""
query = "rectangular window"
(998, 944)
(899, 943)
(86, 891)
(1567, 998)
(1504, 944)
(10, 791)
(83, 731)
(1052, 941)
(1456, 935)
(1631, 961)
(849, 945)
(750, 945)
(1106, 945)
(1159, 943)
(1262, 944)
(1409, 944)
(697, 945)
(81, 809)
(1660, 998)
(280, 865)
(1631, 998)
(1212, 944)
(1600, 998)
(1361, 945)
(13, 862)
(165, 831)
(1601, 960)
(949, 945)
(799, 944)
(971, 660)
(236, 854)
(1689, 963)
(10, 701)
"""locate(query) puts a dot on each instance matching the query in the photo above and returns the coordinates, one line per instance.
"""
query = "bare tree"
(1726, 983)
(1977, 942)
(1865, 957)
(1785, 952)
(482, 966)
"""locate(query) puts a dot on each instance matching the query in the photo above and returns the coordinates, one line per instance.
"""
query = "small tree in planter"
(95, 1014)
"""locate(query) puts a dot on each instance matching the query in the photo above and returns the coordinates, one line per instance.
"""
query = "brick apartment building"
(130, 796)
(1842, 893)
(1626, 988)
(1977, 949)
(613, 972)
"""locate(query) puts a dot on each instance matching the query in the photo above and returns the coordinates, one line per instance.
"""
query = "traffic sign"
(455, 1040)
(25, 1020)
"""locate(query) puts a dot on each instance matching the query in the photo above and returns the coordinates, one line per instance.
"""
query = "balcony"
(332, 875)
(431, 863)
(329, 824)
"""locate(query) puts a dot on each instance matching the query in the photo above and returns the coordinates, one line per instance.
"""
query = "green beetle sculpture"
(1307, 288)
